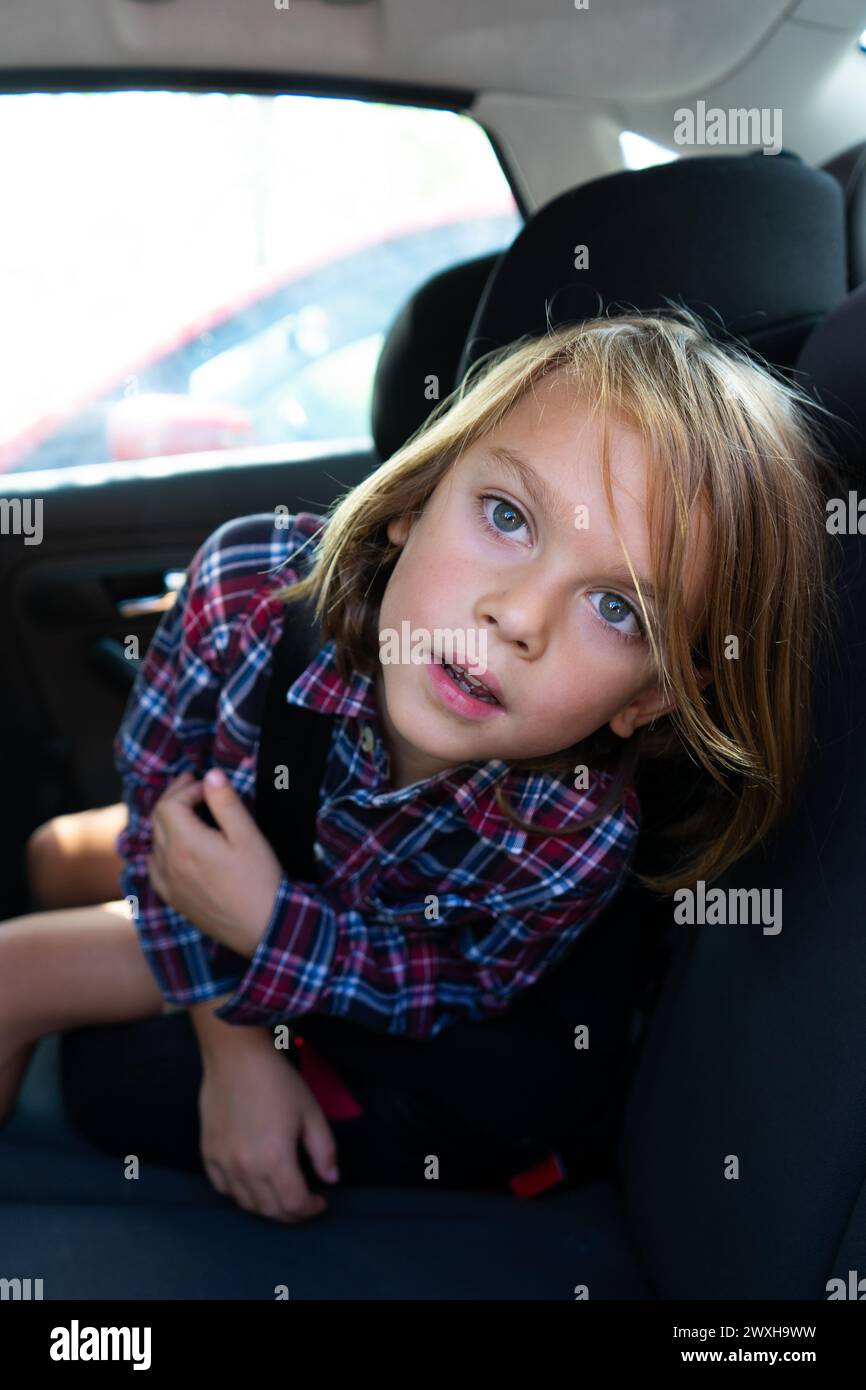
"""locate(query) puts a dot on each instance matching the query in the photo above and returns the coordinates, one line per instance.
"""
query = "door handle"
(149, 604)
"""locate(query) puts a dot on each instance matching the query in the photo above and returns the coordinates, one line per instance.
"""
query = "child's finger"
(179, 784)
(228, 809)
(320, 1144)
(189, 794)
(292, 1197)
(170, 791)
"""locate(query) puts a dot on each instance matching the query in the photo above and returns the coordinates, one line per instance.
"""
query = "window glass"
(198, 271)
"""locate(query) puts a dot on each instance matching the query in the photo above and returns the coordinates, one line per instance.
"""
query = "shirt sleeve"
(411, 980)
(168, 727)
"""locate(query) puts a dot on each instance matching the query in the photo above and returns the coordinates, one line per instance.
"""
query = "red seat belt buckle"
(550, 1172)
(326, 1084)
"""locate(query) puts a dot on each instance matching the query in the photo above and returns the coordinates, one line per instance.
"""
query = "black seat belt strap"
(293, 749)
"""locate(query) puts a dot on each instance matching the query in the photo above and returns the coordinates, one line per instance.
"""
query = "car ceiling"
(553, 83)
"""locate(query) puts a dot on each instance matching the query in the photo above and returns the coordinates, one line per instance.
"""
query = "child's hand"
(255, 1107)
(225, 881)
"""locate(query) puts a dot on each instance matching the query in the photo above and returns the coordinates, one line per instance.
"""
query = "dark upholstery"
(741, 1056)
(757, 1047)
(755, 241)
(425, 340)
(74, 1221)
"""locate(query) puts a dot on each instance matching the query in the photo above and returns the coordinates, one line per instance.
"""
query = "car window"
(190, 272)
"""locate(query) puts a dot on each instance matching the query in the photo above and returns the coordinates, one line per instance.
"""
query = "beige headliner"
(554, 83)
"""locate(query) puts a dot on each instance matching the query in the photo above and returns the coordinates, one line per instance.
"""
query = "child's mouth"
(466, 696)
(470, 685)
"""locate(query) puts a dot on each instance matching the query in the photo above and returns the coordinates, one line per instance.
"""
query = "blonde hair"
(720, 429)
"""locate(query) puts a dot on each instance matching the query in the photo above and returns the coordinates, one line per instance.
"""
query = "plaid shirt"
(371, 942)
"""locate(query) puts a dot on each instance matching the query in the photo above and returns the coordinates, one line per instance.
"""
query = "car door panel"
(96, 578)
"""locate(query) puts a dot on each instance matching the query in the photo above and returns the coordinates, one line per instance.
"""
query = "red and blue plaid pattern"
(432, 907)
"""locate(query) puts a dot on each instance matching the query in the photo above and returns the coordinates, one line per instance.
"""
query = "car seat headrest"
(424, 341)
(755, 242)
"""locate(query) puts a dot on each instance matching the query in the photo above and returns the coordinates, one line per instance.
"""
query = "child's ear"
(648, 707)
(398, 529)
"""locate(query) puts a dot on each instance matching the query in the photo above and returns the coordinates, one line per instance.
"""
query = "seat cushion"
(88, 1233)
(69, 1216)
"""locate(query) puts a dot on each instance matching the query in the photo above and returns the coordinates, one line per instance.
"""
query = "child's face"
(541, 591)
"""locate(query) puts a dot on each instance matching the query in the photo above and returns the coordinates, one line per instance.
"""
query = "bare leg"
(72, 860)
(67, 969)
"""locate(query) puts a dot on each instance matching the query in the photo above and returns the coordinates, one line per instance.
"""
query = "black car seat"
(756, 1048)
(418, 363)
(758, 242)
(757, 246)
(744, 1055)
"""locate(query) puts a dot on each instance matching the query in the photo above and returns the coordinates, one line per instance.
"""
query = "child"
(466, 836)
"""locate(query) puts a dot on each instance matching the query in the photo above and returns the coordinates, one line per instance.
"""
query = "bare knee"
(72, 860)
(44, 858)
(41, 856)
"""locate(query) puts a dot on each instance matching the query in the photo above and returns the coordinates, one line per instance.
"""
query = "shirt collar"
(321, 687)
(471, 786)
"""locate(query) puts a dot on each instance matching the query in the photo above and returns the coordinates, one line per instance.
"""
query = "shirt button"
(368, 738)
(317, 850)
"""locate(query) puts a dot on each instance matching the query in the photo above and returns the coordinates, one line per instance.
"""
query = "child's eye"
(616, 626)
(508, 513)
(505, 509)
